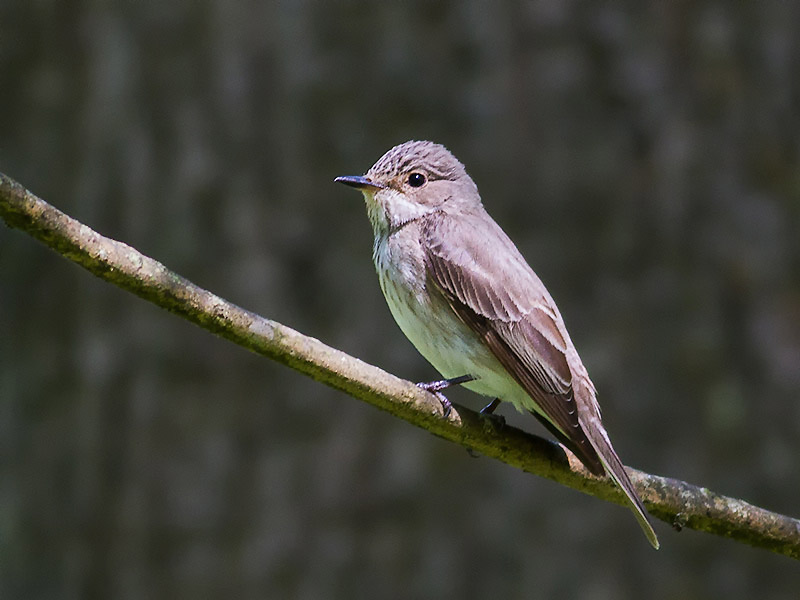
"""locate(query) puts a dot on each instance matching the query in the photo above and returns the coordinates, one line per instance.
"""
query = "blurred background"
(643, 156)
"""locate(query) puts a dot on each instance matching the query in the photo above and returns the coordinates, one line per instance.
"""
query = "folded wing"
(504, 302)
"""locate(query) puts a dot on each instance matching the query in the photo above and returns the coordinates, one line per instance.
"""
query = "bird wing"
(492, 289)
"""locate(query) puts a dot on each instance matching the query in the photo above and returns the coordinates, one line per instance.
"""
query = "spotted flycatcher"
(466, 298)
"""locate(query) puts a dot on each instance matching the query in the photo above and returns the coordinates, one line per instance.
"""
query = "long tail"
(616, 471)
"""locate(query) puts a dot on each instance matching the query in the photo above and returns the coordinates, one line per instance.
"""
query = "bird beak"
(359, 182)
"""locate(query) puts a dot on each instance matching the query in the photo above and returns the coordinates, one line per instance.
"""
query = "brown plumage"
(466, 298)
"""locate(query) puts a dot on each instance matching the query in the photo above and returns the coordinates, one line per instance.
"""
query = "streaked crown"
(436, 161)
(412, 180)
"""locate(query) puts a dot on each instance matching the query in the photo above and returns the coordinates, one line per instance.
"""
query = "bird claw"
(436, 387)
(493, 423)
(447, 406)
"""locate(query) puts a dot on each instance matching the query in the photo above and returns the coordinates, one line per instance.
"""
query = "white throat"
(389, 210)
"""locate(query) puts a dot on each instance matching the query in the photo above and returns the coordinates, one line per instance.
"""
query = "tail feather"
(616, 470)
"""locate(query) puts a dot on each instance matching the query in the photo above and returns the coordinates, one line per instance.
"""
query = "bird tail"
(616, 470)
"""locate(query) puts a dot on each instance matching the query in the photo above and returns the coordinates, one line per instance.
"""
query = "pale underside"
(468, 301)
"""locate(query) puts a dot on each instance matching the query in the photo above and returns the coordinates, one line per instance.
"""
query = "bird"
(468, 301)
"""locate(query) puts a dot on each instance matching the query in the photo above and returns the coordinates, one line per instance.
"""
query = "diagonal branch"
(676, 502)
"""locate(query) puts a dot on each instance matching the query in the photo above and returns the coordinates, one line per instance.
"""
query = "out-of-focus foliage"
(644, 157)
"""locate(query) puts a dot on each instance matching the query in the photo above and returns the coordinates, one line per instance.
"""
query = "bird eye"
(416, 180)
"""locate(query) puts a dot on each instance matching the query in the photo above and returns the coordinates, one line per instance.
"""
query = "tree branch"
(676, 502)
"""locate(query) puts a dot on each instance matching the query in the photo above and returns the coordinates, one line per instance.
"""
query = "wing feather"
(498, 296)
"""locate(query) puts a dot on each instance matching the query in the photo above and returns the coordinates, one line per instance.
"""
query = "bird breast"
(430, 324)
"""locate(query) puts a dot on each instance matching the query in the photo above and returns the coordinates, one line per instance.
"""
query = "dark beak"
(359, 182)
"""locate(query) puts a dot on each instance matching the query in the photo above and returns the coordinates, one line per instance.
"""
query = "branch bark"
(676, 502)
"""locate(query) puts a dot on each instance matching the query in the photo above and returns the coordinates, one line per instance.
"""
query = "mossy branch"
(676, 502)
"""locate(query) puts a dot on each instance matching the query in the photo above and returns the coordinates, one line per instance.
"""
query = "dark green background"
(645, 158)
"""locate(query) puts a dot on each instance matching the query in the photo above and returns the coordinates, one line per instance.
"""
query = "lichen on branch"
(678, 503)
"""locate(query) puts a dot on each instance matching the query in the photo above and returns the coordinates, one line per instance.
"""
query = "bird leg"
(493, 421)
(490, 408)
(436, 387)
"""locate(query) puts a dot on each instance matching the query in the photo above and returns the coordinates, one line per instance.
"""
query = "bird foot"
(492, 421)
(436, 387)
